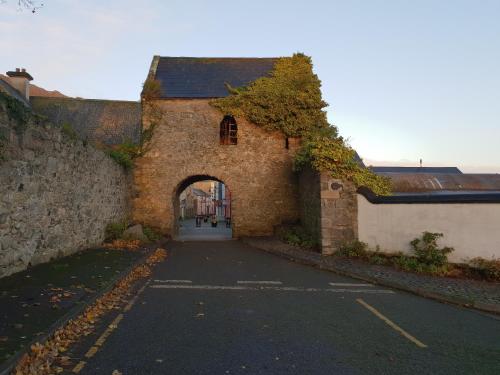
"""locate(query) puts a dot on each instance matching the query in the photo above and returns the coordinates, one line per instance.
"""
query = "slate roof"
(429, 170)
(196, 77)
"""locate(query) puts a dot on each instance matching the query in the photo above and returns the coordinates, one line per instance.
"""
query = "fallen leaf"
(65, 361)
(41, 358)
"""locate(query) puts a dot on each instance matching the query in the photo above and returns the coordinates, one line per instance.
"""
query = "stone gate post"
(338, 214)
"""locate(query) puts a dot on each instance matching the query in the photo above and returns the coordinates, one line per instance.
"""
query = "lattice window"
(228, 131)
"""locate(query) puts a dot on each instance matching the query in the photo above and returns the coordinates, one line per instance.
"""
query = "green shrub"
(68, 130)
(488, 269)
(292, 238)
(298, 236)
(353, 249)
(16, 111)
(3, 144)
(427, 250)
(121, 158)
(378, 258)
(150, 233)
(125, 153)
(407, 263)
(115, 231)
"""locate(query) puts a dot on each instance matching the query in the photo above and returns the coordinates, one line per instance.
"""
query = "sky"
(405, 80)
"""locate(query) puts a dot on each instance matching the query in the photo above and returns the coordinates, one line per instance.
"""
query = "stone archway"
(184, 184)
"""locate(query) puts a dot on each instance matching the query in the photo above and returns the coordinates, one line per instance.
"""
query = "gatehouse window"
(228, 131)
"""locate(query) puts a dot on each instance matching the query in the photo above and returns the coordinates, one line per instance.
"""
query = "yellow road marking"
(78, 367)
(134, 300)
(115, 322)
(130, 304)
(100, 341)
(103, 337)
(391, 324)
(91, 352)
(107, 332)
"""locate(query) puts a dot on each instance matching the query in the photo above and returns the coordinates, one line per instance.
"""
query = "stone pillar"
(339, 213)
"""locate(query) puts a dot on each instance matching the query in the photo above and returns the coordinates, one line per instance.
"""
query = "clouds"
(68, 39)
(404, 79)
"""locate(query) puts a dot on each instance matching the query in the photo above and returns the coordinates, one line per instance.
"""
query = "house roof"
(36, 90)
(199, 192)
(197, 77)
(436, 182)
(412, 170)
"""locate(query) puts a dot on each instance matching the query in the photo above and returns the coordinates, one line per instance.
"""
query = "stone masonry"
(185, 147)
(56, 194)
(339, 213)
(99, 121)
(328, 209)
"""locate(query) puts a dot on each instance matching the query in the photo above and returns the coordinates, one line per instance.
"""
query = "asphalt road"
(203, 313)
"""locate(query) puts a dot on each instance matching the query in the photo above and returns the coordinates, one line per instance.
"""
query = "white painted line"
(272, 288)
(349, 284)
(260, 282)
(174, 281)
(391, 324)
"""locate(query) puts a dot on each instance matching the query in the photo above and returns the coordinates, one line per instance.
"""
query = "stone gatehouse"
(191, 142)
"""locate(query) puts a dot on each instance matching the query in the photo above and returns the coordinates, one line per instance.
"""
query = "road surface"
(226, 308)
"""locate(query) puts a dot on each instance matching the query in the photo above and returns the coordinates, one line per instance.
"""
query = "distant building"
(437, 180)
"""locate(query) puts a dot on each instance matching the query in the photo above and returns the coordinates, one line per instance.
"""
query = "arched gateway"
(202, 209)
(193, 141)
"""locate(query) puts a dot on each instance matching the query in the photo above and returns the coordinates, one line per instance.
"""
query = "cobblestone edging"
(480, 295)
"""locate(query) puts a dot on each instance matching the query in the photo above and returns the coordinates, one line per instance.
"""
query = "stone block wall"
(99, 121)
(328, 209)
(185, 146)
(56, 195)
(339, 213)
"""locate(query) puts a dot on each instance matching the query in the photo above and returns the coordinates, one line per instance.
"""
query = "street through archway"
(204, 211)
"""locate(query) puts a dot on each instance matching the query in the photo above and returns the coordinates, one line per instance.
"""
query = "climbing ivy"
(126, 152)
(16, 111)
(289, 100)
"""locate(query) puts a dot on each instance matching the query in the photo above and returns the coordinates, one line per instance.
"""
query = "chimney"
(20, 80)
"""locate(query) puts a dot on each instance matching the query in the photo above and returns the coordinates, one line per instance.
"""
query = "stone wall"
(99, 121)
(339, 213)
(328, 209)
(56, 194)
(185, 146)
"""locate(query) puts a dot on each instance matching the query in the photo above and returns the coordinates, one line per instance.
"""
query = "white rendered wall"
(473, 229)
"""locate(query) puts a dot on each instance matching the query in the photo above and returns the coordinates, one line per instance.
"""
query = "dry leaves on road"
(123, 245)
(42, 358)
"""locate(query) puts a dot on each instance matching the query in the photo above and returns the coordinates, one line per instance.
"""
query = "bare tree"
(31, 5)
